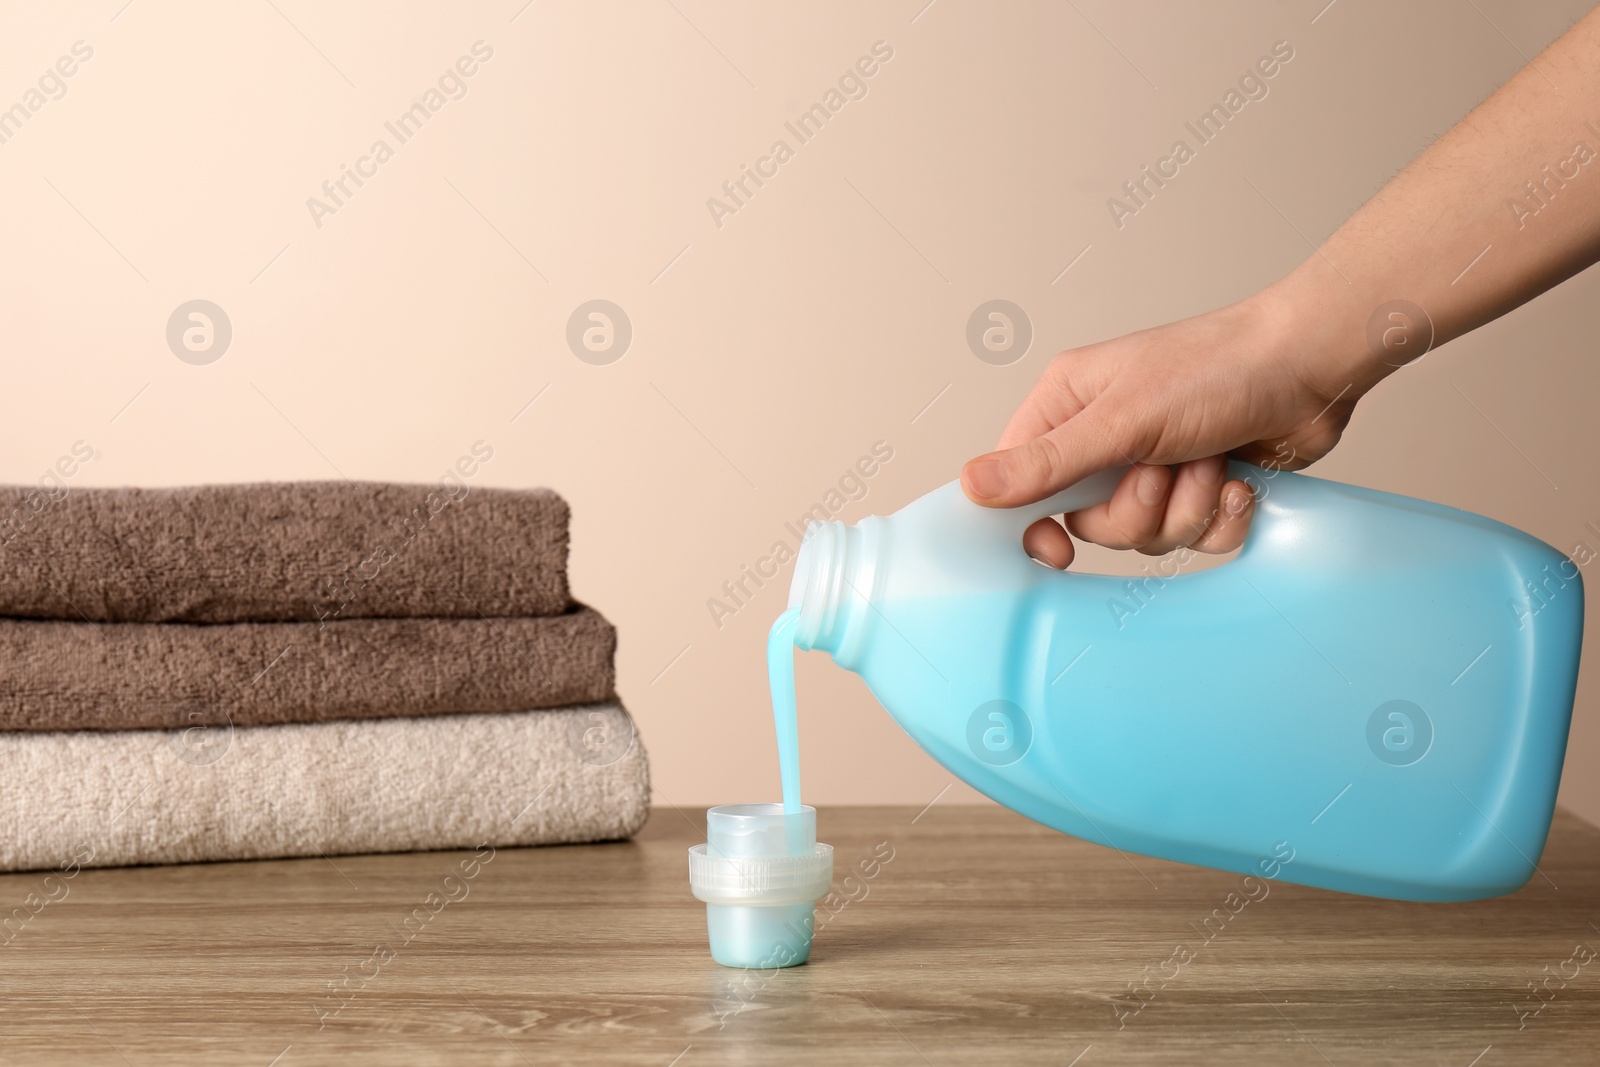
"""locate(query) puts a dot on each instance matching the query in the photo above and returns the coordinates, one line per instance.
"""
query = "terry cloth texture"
(385, 785)
(124, 676)
(283, 551)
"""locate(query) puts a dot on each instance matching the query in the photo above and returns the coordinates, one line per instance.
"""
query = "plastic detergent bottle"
(1373, 696)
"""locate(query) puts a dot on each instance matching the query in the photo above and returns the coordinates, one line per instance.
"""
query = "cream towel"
(114, 798)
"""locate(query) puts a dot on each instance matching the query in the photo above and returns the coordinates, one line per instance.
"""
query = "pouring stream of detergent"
(780, 676)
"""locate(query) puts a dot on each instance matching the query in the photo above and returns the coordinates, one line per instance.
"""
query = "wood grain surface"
(984, 939)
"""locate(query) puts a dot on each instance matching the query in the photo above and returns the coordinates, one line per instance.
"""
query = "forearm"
(1502, 207)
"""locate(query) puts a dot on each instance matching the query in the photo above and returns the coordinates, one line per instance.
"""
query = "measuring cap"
(760, 873)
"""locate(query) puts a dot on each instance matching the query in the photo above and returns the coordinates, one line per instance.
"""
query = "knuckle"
(1043, 460)
(1119, 535)
(1192, 526)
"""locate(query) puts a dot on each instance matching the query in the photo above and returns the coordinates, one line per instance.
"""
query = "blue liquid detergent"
(780, 678)
(1377, 687)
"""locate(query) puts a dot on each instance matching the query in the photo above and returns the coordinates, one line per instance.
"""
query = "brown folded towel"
(123, 676)
(289, 551)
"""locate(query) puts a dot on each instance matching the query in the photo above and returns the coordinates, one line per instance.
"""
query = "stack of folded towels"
(300, 669)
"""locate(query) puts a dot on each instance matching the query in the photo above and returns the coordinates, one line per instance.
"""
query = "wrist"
(1335, 339)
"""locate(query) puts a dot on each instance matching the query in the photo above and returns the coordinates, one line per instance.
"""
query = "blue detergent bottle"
(1373, 696)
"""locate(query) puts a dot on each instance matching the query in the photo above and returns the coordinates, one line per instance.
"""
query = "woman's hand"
(1273, 379)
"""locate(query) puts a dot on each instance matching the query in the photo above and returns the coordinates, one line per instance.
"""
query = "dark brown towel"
(282, 551)
(121, 676)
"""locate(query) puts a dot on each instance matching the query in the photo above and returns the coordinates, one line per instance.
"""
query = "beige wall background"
(429, 309)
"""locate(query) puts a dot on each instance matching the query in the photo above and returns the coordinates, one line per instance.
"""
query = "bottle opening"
(833, 583)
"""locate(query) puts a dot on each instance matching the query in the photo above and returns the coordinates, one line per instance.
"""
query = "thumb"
(1043, 466)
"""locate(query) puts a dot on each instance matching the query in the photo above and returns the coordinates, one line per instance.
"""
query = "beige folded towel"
(282, 552)
(123, 676)
(389, 785)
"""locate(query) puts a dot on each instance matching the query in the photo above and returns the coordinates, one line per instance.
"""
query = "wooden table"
(985, 939)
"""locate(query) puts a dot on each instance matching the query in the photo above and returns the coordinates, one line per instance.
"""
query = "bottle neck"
(835, 578)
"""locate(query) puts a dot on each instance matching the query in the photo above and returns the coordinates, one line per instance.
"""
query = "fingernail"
(1209, 473)
(1151, 487)
(988, 477)
(1238, 500)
